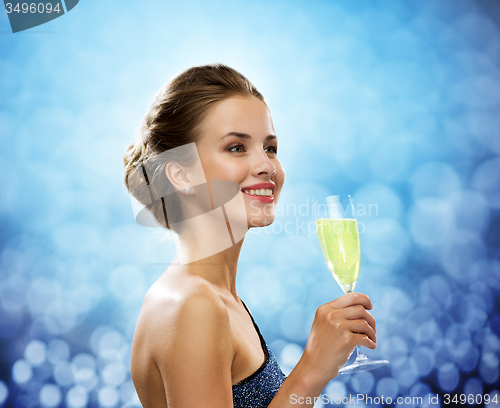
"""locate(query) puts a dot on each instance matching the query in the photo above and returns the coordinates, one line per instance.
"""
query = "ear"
(177, 176)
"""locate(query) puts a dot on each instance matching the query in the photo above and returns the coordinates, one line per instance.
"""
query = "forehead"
(245, 114)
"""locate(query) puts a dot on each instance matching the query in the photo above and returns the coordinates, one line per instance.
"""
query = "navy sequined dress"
(258, 389)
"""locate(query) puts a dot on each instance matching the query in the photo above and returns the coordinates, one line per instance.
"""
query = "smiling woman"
(196, 343)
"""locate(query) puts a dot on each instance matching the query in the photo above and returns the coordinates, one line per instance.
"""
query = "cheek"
(222, 170)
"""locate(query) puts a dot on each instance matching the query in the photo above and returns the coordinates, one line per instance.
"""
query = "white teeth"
(260, 193)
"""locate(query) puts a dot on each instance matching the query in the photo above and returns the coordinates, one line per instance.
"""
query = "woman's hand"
(339, 326)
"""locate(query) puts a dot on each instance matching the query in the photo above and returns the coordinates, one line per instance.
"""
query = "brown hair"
(173, 120)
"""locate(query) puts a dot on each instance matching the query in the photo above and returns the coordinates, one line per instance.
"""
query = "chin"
(260, 222)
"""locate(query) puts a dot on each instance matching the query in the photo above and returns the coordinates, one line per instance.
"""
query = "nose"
(263, 167)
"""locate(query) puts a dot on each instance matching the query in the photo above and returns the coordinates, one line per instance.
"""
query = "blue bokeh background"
(396, 102)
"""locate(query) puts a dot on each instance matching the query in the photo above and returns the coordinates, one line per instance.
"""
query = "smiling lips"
(262, 192)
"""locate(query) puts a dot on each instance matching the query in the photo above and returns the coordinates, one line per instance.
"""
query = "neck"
(208, 252)
(219, 269)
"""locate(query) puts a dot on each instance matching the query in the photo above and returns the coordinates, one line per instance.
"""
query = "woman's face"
(238, 143)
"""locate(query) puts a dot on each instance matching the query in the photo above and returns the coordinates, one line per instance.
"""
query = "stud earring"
(187, 190)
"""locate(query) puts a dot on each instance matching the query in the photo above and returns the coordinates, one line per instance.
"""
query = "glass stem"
(360, 355)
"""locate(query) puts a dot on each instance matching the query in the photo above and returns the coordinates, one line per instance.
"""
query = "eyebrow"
(247, 136)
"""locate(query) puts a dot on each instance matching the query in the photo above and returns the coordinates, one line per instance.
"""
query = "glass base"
(363, 363)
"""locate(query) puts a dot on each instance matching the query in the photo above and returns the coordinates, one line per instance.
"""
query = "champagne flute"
(338, 234)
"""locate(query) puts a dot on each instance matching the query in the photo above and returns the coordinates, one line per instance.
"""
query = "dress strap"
(262, 341)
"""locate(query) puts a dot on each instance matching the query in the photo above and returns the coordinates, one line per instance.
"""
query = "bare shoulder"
(183, 332)
(182, 298)
(178, 306)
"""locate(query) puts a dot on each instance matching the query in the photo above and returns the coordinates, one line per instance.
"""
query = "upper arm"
(194, 353)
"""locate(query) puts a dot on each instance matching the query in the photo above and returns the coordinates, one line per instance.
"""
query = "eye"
(238, 148)
(271, 149)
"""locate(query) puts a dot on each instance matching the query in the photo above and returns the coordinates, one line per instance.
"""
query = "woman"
(196, 344)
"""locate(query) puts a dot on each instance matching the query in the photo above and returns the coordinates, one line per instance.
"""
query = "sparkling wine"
(339, 240)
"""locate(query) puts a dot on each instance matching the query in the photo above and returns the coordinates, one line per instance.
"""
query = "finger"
(365, 341)
(351, 299)
(359, 312)
(361, 327)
